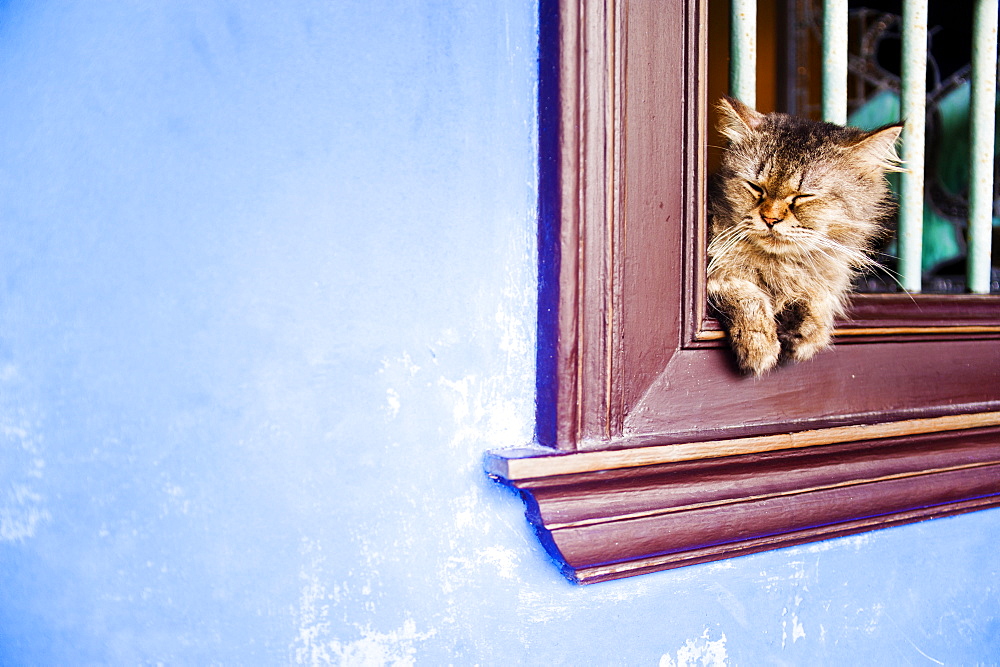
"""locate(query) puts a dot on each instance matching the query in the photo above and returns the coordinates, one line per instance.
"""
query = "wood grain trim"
(620, 522)
(712, 334)
(766, 496)
(936, 331)
(519, 466)
(934, 315)
(597, 574)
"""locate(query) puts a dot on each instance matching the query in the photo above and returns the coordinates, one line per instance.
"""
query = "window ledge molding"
(616, 513)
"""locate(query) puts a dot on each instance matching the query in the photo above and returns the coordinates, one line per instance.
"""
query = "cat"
(795, 207)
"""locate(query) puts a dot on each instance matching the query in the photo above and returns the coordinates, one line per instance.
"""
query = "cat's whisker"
(894, 275)
(863, 261)
(886, 269)
(723, 244)
(732, 231)
(839, 252)
(855, 258)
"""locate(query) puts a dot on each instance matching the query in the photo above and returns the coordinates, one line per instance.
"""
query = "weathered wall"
(267, 296)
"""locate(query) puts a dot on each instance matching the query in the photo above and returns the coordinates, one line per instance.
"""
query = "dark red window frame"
(653, 451)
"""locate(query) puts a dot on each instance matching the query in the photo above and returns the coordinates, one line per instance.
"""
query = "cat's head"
(791, 185)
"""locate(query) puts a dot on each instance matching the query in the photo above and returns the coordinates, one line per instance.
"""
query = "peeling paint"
(314, 642)
(463, 566)
(857, 542)
(21, 513)
(791, 628)
(372, 649)
(503, 559)
(176, 500)
(22, 505)
(874, 615)
(485, 416)
(392, 403)
(699, 652)
(535, 607)
(467, 513)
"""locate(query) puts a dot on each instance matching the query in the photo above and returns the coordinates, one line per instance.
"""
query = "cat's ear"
(737, 121)
(878, 148)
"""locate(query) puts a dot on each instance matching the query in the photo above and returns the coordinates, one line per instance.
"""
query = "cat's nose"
(770, 222)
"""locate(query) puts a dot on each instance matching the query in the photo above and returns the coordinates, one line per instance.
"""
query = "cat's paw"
(806, 344)
(756, 351)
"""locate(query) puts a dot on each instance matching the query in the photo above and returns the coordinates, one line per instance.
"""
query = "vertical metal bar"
(743, 51)
(835, 61)
(911, 196)
(982, 123)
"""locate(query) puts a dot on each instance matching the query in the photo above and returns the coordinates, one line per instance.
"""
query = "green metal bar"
(835, 61)
(982, 123)
(911, 196)
(743, 51)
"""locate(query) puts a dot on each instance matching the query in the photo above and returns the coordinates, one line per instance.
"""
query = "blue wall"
(268, 287)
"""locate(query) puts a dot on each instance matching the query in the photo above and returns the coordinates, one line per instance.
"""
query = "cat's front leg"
(749, 318)
(810, 330)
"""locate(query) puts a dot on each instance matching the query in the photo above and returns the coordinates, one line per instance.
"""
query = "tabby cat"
(795, 208)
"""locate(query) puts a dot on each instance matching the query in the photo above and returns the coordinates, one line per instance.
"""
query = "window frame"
(653, 452)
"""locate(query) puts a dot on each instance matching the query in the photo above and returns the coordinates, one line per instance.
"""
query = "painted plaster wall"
(267, 296)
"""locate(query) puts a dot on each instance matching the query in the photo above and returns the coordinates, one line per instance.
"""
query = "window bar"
(981, 121)
(911, 196)
(743, 51)
(835, 61)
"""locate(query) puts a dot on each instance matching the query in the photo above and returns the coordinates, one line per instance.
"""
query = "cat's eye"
(757, 190)
(802, 199)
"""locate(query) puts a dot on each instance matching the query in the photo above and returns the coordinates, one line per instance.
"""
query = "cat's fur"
(795, 207)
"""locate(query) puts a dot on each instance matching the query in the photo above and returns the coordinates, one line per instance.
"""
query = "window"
(653, 451)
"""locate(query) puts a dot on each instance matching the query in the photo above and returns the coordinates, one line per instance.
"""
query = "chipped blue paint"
(268, 294)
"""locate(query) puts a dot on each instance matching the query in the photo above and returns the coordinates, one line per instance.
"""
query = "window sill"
(615, 513)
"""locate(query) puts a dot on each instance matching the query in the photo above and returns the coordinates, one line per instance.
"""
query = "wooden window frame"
(653, 452)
